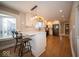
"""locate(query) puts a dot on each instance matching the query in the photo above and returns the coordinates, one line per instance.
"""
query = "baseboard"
(34, 52)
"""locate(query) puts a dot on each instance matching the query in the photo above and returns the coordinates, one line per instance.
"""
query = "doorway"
(55, 29)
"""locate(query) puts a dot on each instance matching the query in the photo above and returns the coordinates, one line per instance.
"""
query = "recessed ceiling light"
(60, 11)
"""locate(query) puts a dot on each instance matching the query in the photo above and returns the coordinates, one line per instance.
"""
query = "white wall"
(77, 29)
(21, 22)
(73, 29)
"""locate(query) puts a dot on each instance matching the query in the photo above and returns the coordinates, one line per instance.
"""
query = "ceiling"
(50, 10)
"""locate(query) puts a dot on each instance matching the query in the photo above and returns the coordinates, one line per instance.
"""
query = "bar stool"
(24, 48)
(23, 42)
(17, 37)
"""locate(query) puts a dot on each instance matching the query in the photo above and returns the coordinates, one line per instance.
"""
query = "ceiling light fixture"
(60, 11)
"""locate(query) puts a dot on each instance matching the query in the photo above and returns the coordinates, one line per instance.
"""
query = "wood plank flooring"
(55, 48)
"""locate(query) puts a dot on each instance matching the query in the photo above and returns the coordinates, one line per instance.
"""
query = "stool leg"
(19, 54)
(25, 43)
(15, 47)
(30, 47)
(21, 50)
(22, 47)
(31, 50)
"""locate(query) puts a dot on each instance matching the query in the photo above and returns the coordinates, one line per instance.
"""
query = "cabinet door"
(29, 20)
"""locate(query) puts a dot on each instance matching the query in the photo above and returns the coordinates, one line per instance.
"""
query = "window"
(39, 25)
(7, 24)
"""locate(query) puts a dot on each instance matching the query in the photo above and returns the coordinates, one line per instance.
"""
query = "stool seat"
(24, 43)
(27, 39)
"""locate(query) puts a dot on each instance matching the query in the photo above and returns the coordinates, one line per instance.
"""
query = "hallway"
(57, 47)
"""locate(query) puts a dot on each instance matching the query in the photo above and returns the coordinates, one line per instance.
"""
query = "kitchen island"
(38, 42)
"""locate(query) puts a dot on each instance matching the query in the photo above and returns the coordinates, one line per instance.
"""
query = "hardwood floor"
(55, 48)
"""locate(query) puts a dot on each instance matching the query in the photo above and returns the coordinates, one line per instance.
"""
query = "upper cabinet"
(29, 20)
